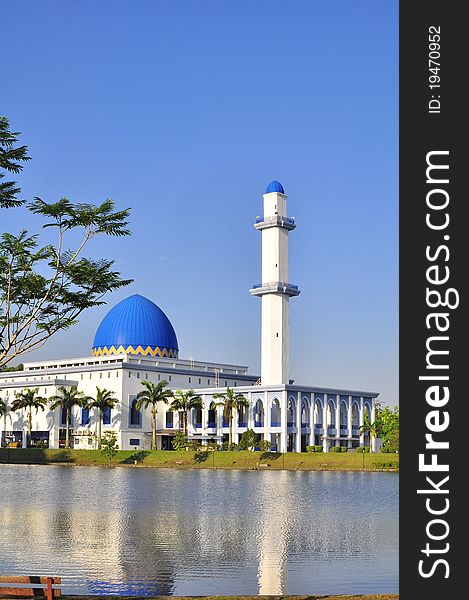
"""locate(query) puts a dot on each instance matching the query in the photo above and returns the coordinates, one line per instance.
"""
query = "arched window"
(212, 415)
(343, 414)
(305, 413)
(85, 416)
(197, 418)
(243, 416)
(169, 419)
(318, 413)
(275, 414)
(107, 416)
(135, 416)
(259, 414)
(330, 414)
(291, 412)
(355, 415)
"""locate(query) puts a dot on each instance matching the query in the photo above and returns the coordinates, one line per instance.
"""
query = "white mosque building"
(136, 342)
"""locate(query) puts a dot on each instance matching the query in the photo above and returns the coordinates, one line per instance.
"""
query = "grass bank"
(244, 460)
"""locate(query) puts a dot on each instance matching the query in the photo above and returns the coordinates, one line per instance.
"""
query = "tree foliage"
(104, 399)
(231, 403)
(109, 447)
(150, 397)
(66, 399)
(28, 399)
(248, 440)
(180, 441)
(44, 288)
(11, 157)
(385, 426)
(184, 402)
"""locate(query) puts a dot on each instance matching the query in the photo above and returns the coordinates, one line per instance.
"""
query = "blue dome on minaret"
(274, 186)
(136, 325)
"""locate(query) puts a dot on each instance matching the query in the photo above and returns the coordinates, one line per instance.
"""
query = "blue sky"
(185, 110)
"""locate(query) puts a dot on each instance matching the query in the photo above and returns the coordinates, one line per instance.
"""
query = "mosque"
(136, 342)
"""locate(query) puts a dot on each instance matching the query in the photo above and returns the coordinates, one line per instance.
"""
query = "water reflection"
(163, 532)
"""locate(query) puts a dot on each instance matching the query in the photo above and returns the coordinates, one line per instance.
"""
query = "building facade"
(136, 342)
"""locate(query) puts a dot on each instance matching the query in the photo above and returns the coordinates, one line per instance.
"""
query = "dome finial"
(274, 186)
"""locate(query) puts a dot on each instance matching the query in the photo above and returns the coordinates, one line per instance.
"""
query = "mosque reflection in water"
(163, 532)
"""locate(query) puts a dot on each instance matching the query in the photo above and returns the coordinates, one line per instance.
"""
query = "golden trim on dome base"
(139, 350)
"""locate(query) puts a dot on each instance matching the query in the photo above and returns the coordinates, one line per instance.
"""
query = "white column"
(267, 416)
(324, 424)
(349, 421)
(283, 421)
(235, 431)
(361, 421)
(337, 420)
(204, 422)
(311, 421)
(298, 423)
(373, 417)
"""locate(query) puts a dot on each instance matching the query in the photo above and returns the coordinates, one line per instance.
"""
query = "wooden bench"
(27, 586)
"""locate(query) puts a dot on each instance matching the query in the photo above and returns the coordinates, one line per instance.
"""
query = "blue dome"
(136, 326)
(274, 186)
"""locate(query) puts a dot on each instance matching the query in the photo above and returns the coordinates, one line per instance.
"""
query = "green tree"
(109, 447)
(149, 397)
(45, 288)
(369, 427)
(184, 402)
(387, 425)
(66, 399)
(248, 440)
(180, 442)
(104, 399)
(11, 157)
(231, 403)
(28, 399)
(265, 445)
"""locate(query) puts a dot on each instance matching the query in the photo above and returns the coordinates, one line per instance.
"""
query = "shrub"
(318, 448)
(248, 440)
(343, 448)
(227, 446)
(335, 449)
(362, 449)
(310, 448)
(265, 445)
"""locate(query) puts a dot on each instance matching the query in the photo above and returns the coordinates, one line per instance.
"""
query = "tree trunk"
(153, 430)
(100, 415)
(30, 425)
(184, 422)
(230, 434)
(67, 427)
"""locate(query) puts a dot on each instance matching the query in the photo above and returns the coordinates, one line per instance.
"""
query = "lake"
(139, 531)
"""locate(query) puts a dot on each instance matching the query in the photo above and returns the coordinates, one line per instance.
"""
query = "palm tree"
(150, 396)
(184, 402)
(368, 427)
(28, 399)
(67, 398)
(3, 413)
(231, 402)
(104, 399)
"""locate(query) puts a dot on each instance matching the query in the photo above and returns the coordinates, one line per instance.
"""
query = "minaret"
(275, 291)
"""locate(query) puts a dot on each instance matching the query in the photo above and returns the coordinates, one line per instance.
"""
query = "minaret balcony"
(275, 221)
(275, 287)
